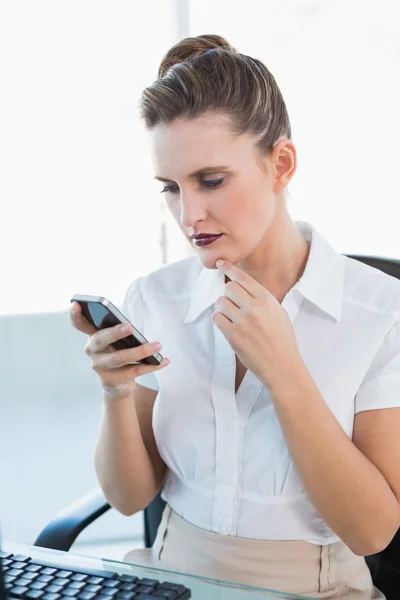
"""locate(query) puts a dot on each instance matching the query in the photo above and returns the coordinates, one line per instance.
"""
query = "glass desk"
(201, 588)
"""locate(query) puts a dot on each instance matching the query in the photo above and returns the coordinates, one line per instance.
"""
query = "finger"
(114, 377)
(127, 357)
(222, 322)
(78, 320)
(243, 279)
(100, 341)
(237, 294)
(228, 308)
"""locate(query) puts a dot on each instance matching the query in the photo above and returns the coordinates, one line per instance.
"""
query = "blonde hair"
(205, 73)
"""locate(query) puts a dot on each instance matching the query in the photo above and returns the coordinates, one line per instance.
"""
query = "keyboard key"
(112, 583)
(48, 571)
(34, 568)
(77, 585)
(21, 558)
(18, 565)
(50, 596)
(38, 585)
(92, 589)
(64, 574)
(30, 575)
(86, 596)
(144, 589)
(22, 582)
(110, 592)
(146, 581)
(6, 562)
(176, 587)
(125, 595)
(128, 578)
(128, 587)
(18, 591)
(96, 580)
(60, 582)
(45, 578)
(9, 578)
(34, 594)
(54, 589)
(80, 577)
(14, 572)
(70, 592)
(5, 554)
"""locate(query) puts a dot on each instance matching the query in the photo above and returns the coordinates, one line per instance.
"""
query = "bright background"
(81, 212)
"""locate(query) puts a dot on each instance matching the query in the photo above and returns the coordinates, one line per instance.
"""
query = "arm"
(353, 486)
(128, 464)
(356, 490)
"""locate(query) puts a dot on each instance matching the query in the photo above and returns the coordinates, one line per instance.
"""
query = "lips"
(206, 239)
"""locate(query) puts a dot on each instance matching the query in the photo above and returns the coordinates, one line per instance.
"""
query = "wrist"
(284, 381)
(113, 397)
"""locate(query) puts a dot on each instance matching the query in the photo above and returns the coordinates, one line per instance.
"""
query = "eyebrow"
(202, 171)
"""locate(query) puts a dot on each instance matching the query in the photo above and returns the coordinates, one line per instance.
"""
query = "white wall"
(337, 63)
(80, 212)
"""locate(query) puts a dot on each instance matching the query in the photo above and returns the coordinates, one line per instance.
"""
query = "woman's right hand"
(116, 368)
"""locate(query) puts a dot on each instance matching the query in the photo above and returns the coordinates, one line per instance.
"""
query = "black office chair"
(63, 530)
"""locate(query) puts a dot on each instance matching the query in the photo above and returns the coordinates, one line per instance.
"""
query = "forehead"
(186, 145)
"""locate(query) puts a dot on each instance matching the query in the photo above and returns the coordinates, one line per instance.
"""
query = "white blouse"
(228, 467)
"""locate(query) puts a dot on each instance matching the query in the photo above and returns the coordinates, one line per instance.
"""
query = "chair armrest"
(61, 532)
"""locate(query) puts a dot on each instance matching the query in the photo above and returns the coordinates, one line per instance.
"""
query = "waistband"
(293, 566)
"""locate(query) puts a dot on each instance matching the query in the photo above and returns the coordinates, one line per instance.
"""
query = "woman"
(260, 428)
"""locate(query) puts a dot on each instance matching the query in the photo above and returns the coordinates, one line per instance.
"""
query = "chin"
(209, 258)
(208, 261)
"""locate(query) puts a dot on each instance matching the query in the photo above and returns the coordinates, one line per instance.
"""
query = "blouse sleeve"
(380, 387)
(134, 309)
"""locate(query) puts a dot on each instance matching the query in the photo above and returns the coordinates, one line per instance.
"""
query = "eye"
(212, 183)
(172, 188)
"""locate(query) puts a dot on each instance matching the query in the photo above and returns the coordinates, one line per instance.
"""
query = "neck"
(279, 260)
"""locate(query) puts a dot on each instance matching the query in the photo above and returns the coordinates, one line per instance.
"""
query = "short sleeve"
(134, 309)
(380, 387)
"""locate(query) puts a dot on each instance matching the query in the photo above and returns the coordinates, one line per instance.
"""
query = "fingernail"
(220, 263)
(156, 346)
(73, 307)
(125, 329)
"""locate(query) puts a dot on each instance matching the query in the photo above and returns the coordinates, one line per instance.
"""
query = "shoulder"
(371, 289)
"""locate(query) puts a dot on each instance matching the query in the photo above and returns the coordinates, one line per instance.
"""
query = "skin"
(248, 207)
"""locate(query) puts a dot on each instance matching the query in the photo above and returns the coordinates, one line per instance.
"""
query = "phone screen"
(102, 317)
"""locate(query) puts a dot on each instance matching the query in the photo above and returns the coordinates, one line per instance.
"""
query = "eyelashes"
(208, 184)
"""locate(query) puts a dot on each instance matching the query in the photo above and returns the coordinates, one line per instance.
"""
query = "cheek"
(249, 204)
(174, 207)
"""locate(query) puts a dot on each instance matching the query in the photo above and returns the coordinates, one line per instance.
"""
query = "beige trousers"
(330, 571)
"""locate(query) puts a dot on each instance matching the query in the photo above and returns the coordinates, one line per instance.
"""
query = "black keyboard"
(26, 577)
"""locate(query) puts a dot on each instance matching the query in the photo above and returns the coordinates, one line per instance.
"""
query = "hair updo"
(205, 73)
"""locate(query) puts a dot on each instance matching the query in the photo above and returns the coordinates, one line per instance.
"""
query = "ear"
(284, 160)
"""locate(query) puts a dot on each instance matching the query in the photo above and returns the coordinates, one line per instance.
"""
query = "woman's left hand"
(256, 326)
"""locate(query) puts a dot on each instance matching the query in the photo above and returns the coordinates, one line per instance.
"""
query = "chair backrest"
(152, 519)
(384, 566)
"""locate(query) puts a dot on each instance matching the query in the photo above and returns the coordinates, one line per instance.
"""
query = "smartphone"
(102, 313)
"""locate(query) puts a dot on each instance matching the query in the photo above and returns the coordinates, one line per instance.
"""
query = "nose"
(192, 209)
